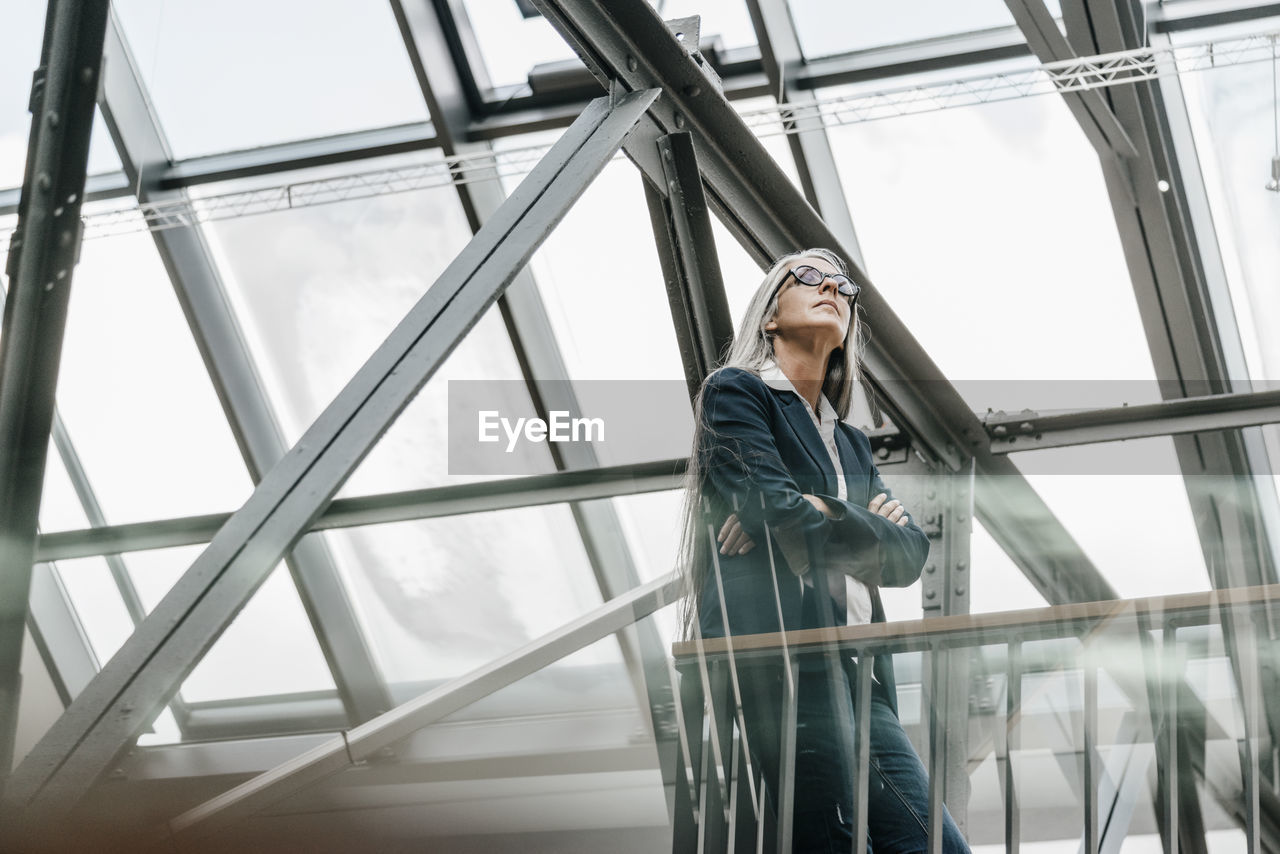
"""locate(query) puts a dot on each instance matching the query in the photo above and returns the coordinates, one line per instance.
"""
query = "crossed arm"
(742, 461)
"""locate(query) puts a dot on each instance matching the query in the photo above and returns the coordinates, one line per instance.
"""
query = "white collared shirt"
(857, 593)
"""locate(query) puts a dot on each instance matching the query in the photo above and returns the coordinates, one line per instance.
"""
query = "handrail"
(967, 629)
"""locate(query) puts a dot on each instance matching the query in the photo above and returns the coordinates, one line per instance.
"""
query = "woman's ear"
(771, 327)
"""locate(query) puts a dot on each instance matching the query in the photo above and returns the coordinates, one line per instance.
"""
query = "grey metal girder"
(42, 257)
(815, 162)
(432, 503)
(744, 78)
(105, 718)
(765, 212)
(1091, 110)
(690, 263)
(529, 328)
(1028, 430)
(216, 330)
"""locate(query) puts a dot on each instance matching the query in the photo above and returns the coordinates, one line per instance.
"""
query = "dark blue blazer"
(759, 452)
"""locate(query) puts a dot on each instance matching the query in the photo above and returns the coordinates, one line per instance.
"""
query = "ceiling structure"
(1110, 258)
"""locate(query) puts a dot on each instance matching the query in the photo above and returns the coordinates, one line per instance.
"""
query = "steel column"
(690, 263)
(152, 663)
(42, 257)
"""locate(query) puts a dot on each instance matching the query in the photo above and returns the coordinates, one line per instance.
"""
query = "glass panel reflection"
(988, 230)
(269, 72)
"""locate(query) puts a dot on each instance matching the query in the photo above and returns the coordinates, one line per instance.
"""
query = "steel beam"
(1027, 430)
(1091, 110)
(690, 264)
(42, 257)
(109, 185)
(815, 162)
(104, 719)
(366, 740)
(432, 503)
(769, 217)
(202, 295)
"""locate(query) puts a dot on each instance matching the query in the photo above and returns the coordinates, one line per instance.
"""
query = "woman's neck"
(805, 368)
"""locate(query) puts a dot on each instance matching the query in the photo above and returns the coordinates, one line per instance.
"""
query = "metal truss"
(118, 702)
(1071, 75)
(794, 118)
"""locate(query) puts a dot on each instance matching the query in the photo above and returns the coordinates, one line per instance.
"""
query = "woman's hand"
(891, 510)
(733, 540)
(820, 504)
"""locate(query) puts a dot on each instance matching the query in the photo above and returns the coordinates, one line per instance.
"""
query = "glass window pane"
(829, 27)
(439, 597)
(135, 395)
(97, 603)
(268, 649)
(511, 45)
(1111, 497)
(270, 72)
(561, 760)
(319, 288)
(1233, 121)
(989, 231)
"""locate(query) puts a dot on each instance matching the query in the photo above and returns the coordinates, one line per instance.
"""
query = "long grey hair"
(751, 350)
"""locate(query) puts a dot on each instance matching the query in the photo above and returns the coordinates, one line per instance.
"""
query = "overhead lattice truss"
(1072, 75)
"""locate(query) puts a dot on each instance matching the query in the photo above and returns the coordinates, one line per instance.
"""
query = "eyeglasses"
(813, 277)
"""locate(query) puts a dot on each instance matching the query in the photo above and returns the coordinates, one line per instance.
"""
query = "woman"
(774, 466)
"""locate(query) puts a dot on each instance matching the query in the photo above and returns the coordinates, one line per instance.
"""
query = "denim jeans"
(898, 796)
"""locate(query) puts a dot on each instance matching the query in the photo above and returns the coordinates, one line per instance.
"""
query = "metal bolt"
(931, 494)
(931, 569)
(1027, 427)
(632, 65)
(1000, 430)
(930, 594)
(959, 591)
(960, 517)
(679, 120)
(86, 73)
(693, 91)
(962, 565)
(51, 118)
(43, 181)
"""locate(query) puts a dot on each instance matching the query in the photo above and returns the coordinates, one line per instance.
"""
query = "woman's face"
(818, 312)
